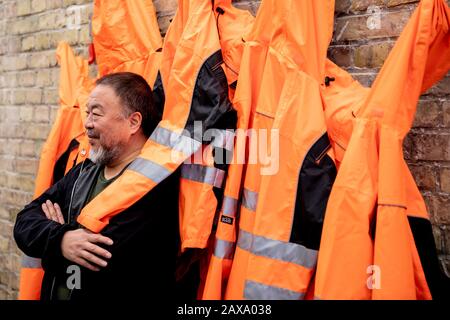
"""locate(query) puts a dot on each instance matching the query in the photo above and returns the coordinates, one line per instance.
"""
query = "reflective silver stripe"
(220, 138)
(210, 175)
(29, 262)
(148, 168)
(275, 249)
(229, 206)
(258, 291)
(175, 141)
(250, 199)
(224, 249)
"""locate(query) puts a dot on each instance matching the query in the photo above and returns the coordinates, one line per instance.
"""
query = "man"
(134, 255)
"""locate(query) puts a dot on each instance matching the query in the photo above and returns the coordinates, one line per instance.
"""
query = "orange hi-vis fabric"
(203, 177)
(254, 51)
(126, 37)
(171, 39)
(201, 88)
(278, 238)
(377, 240)
(66, 146)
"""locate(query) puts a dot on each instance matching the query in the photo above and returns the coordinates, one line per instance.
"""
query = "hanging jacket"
(66, 146)
(202, 95)
(278, 238)
(377, 241)
(203, 176)
(126, 37)
(222, 246)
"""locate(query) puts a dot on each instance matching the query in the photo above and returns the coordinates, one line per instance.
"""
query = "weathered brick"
(439, 209)
(26, 113)
(28, 166)
(22, 26)
(54, 4)
(442, 88)
(51, 96)
(15, 262)
(361, 5)
(446, 112)
(37, 130)
(27, 148)
(445, 179)
(23, 7)
(432, 147)
(26, 79)
(6, 163)
(356, 27)
(37, 6)
(16, 62)
(428, 114)
(425, 176)
(84, 36)
(67, 3)
(52, 20)
(393, 3)
(4, 244)
(9, 80)
(10, 114)
(341, 55)
(42, 41)
(34, 96)
(365, 78)
(43, 78)
(43, 59)
(20, 182)
(342, 6)
(372, 56)
(18, 96)
(42, 114)
(69, 36)
(447, 244)
(164, 5)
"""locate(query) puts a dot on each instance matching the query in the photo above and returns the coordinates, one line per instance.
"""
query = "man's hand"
(79, 246)
(53, 211)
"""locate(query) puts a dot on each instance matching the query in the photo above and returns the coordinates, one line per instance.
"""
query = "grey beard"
(103, 156)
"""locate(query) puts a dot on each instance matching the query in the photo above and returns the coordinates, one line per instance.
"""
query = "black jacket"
(145, 239)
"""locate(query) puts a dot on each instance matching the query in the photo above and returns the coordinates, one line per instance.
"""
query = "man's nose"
(88, 124)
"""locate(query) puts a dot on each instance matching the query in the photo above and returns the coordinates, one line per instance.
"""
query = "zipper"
(322, 154)
(68, 221)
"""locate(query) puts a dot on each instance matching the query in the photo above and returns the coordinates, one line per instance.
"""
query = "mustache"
(92, 134)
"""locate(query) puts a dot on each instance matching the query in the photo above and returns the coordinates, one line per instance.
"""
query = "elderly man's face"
(106, 125)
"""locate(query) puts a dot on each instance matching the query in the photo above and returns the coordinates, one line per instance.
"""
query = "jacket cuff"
(52, 257)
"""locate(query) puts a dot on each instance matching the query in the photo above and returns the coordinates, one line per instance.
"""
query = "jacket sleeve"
(38, 236)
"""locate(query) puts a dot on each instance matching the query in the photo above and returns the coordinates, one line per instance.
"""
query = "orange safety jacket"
(126, 37)
(203, 177)
(377, 240)
(288, 97)
(198, 79)
(66, 146)
(222, 248)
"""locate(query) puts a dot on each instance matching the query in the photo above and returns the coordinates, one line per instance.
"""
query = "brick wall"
(29, 33)
(31, 29)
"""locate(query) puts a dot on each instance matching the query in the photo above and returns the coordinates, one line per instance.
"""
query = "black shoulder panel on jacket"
(210, 103)
(60, 166)
(316, 179)
(158, 94)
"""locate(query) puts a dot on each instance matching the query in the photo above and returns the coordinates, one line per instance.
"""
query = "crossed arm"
(80, 245)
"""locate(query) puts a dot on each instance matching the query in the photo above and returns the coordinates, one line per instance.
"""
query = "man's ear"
(135, 120)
